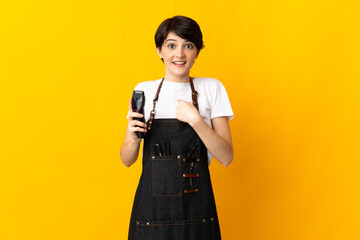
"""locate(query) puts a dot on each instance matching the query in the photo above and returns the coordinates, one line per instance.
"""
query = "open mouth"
(179, 63)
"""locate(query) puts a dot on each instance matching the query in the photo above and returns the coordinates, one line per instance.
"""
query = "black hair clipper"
(138, 102)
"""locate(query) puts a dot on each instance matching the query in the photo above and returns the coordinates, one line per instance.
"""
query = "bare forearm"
(220, 147)
(216, 139)
(129, 151)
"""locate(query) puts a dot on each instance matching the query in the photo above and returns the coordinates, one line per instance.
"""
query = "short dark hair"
(182, 26)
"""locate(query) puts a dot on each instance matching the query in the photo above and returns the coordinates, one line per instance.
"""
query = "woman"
(187, 123)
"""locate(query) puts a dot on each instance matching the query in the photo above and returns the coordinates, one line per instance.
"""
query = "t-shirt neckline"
(176, 83)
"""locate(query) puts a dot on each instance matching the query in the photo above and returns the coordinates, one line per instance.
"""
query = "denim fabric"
(161, 209)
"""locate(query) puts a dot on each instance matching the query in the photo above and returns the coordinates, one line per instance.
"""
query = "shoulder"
(206, 81)
(218, 99)
(208, 84)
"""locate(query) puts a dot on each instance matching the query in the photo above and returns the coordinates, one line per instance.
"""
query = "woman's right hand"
(135, 125)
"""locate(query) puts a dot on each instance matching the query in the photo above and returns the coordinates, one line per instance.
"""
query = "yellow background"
(291, 69)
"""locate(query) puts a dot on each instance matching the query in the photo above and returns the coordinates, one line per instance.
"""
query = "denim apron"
(174, 199)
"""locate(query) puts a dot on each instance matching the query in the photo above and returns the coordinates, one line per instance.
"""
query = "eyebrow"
(170, 39)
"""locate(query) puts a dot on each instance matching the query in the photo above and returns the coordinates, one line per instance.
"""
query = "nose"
(180, 53)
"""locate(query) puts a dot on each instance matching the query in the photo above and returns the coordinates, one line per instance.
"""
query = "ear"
(159, 52)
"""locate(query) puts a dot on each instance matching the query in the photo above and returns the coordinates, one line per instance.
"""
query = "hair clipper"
(138, 103)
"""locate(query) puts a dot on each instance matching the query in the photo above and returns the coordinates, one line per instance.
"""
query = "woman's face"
(178, 54)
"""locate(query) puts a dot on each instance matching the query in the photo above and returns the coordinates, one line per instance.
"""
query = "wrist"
(135, 140)
(197, 121)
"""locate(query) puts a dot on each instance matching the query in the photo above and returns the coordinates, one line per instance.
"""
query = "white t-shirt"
(212, 99)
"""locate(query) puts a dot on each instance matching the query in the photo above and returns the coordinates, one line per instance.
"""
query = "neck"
(179, 79)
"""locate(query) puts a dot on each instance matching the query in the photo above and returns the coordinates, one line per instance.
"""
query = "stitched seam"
(170, 224)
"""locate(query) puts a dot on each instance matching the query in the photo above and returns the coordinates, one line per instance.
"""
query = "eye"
(171, 46)
(190, 46)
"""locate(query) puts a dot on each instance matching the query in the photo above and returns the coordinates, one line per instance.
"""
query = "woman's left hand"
(217, 138)
(186, 112)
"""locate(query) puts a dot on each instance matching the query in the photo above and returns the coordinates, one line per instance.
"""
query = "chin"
(183, 74)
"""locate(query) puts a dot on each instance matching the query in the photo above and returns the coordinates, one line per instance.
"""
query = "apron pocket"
(166, 176)
(180, 230)
(208, 229)
(142, 231)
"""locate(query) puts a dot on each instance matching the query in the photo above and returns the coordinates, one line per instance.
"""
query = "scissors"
(192, 153)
